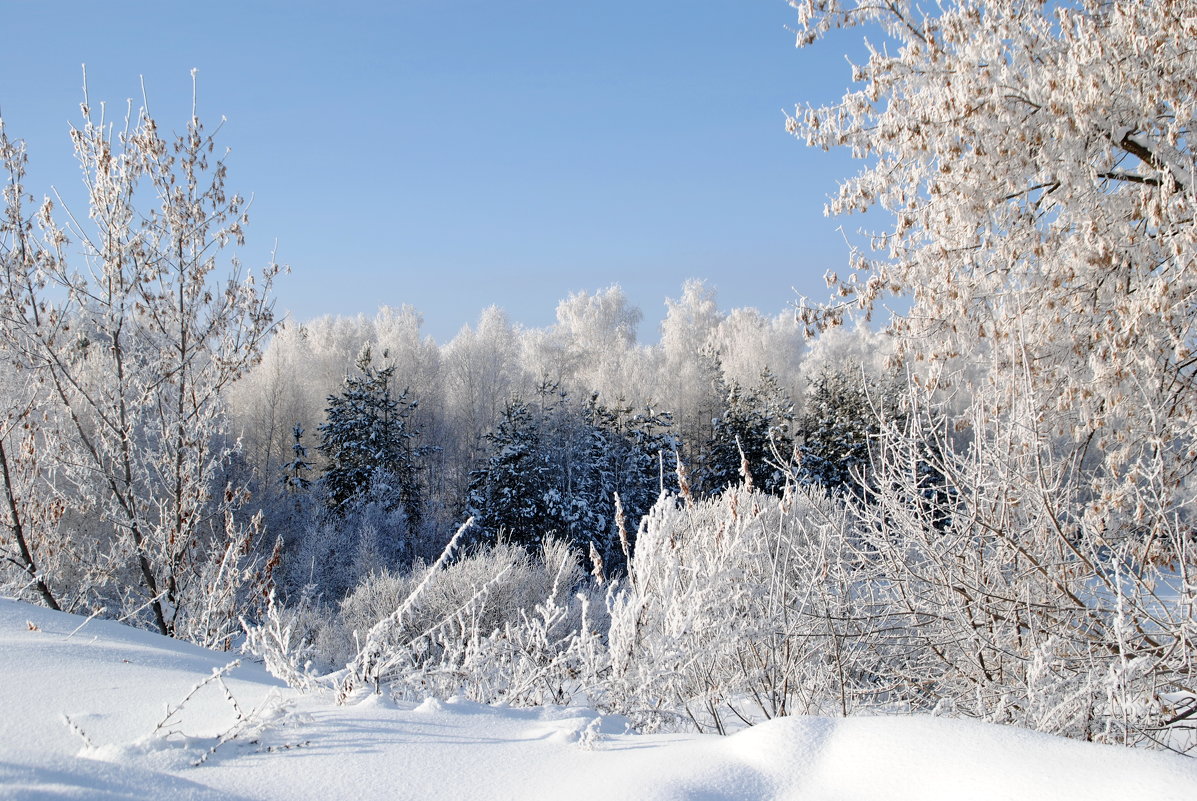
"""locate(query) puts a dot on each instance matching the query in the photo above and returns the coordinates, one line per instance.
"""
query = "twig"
(217, 674)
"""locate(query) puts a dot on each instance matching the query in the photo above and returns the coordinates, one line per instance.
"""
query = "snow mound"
(84, 705)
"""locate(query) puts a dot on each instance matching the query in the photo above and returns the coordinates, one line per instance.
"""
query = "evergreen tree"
(507, 493)
(635, 455)
(295, 473)
(367, 443)
(555, 468)
(754, 428)
(837, 424)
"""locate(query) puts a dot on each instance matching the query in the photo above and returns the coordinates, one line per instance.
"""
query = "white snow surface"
(113, 683)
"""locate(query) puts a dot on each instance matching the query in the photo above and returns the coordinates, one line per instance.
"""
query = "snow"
(114, 683)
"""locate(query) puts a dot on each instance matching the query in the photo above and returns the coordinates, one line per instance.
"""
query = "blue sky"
(454, 155)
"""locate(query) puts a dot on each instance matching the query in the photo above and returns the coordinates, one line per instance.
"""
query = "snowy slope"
(113, 684)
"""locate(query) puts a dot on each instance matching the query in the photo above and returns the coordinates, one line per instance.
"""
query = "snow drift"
(85, 704)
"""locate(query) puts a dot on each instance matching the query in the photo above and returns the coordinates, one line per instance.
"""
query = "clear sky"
(453, 154)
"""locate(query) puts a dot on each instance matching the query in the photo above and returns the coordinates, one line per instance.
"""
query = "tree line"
(172, 453)
(373, 464)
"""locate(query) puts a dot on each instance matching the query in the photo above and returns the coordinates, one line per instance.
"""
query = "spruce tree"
(754, 428)
(838, 423)
(507, 491)
(295, 473)
(555, 468)
(636, 454)
(367, 443)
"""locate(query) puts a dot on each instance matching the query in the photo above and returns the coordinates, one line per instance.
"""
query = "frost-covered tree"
(417, 362)
(1035, 160)
(1037, 169)
(749, 343)
(482, 372)
(839, 422)
(265, 403)
(753, 431)
(136, 319)
(366, 441)
(596, 337)
(295, 472)
(691, 378)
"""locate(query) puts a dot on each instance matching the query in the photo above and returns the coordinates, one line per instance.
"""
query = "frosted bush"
(499, 625)
(548, 652)
(285, 641)
(951, 594)
(731, 615)
(448, 596)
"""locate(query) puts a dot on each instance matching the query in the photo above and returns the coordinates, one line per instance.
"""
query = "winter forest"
(981, 505)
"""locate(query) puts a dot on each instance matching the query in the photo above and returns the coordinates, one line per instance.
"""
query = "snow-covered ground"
(80, 707)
